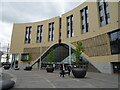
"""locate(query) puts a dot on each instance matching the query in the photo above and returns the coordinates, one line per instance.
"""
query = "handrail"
(44, 53)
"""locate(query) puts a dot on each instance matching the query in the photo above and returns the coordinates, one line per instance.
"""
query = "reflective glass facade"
(115, 42)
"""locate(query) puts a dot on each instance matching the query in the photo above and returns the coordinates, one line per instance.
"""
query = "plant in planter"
(29, 67)
(50, 67)
(7, 64)
(79, 71)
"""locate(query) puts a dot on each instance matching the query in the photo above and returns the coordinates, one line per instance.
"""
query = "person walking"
(62, 69)
(69, 69)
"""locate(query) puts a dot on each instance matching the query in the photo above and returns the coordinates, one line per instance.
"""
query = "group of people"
(65, 69)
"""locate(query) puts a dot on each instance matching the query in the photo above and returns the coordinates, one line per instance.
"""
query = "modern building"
(96, 24)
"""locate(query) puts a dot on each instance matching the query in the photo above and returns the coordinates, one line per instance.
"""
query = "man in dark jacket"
(62, 70)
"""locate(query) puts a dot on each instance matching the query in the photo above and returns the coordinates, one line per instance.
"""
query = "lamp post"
(69, 48)
(7, 59)
(40, 58)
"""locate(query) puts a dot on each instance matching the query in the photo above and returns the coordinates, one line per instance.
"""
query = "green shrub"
(78, 51)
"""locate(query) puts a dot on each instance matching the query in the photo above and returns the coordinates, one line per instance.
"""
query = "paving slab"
(42, 79)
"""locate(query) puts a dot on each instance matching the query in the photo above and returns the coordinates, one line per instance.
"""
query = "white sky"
(23, 11)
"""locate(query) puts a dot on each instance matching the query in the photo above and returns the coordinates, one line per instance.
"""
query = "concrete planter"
(8, 81)
(7, 84)
(50, 69)
(79, 72)
(28, 68)
(16, 68)
(6, 67)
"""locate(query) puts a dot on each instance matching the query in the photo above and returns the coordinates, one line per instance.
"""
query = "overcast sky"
(30, 11)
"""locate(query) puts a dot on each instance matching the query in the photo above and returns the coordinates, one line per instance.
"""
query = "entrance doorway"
(14, 62)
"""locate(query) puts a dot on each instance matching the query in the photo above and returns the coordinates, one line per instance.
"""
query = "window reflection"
(115, 42)
(24, 57)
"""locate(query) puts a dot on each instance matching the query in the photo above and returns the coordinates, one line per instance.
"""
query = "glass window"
(82, 26)
(107, 9)
(100, 8)
(101, 18)
(84, 13)
(113, 36)
(101, 13)
(24, 57)
(106, 3)
(82, 18)
(28, 34)
(115, 42)
(114, 48)
(119, 35)
(51, 31)
(39, 34)
(104, 12)
(70, 26)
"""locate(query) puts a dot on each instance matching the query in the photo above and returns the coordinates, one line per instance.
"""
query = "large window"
(39, 33)
(70, 32)
(84, 17)
(28, 34)
(104, 12)
(115, 42)
(24, 57)
(51, 31)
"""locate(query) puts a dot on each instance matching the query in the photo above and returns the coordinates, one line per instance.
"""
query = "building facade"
(96, 24)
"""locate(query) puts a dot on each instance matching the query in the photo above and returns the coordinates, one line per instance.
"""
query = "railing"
(73, 58)
(41, 56)
(66, 59)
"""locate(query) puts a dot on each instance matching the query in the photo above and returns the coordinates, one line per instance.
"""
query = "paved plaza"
(42, 79)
